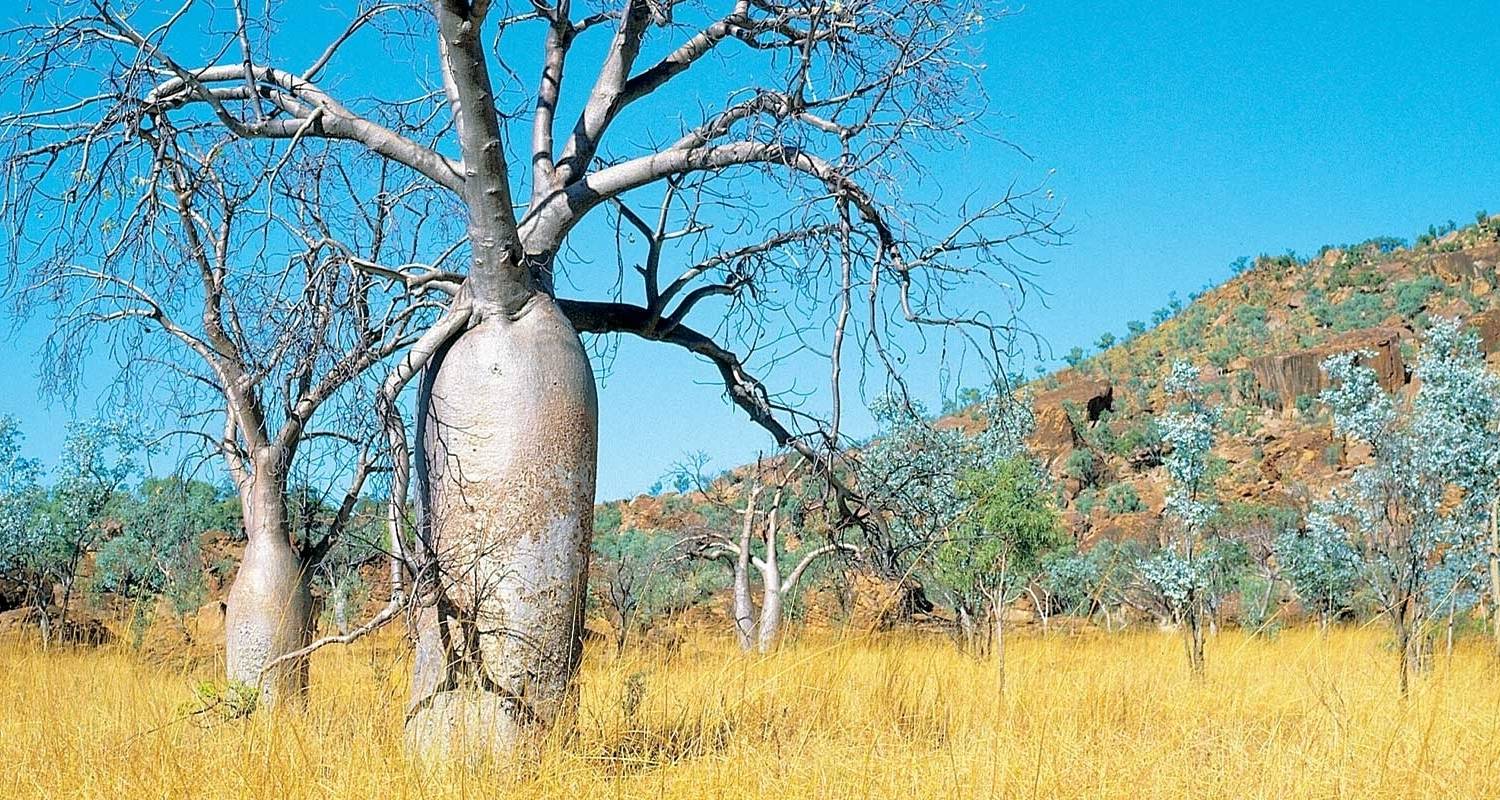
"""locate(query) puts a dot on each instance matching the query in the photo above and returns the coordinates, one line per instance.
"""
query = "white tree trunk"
(508, 441)
(1495, 569)
(997, 639)
(771, 595)
(744, 607)
(269, 609)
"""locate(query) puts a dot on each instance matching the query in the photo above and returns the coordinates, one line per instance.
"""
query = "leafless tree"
(761, 632)
(783, 145)
(225, 288)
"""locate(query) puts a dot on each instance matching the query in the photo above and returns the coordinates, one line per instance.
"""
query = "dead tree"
(788, 215)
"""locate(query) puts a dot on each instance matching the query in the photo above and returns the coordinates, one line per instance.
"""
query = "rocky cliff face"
(1280, 380)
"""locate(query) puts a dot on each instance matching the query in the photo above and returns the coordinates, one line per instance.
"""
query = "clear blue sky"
(1182, 135)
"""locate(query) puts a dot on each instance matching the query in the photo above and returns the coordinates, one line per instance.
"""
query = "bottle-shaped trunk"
(508, 423)
(268, 612)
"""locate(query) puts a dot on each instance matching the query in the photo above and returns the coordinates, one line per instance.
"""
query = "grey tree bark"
(507, 416)
(744, 608)
(508, 437)
(268, 611)
(760, 630)
(771, 586)
(1494, 557)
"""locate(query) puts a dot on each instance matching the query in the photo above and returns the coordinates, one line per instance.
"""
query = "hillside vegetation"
(1258, 342)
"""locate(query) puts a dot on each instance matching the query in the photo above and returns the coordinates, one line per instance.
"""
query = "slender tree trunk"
(1265, 601)
(44, 622)
(62, 608)
(1403, 646)
(339, 595)
(507, 455)
(268, 611)
(744, 608)
(966, 628)
(1495, 570)
(622, 632)
(997, 639)
(771, 594)
(1194, 634)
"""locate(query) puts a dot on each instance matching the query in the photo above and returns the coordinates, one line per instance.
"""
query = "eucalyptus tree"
(1320, 563)
(1181, 572)
(49, 532)
(782, 181)
(21, 501)
(918, 474)
(1415, 513)
(98, 459)
(158, 552)
(1010, 524)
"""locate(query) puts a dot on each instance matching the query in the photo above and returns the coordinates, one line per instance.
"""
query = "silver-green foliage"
(1415, 512)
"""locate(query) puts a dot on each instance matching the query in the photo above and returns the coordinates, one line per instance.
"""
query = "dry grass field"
(1297, 715)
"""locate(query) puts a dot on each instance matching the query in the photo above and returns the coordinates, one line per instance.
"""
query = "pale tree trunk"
(771, 589)
(997, 638)
(508, 429)
(40, 591)
(268, 611)
(1495, 570)
(744, 607)
(339, 595)
(966, 628)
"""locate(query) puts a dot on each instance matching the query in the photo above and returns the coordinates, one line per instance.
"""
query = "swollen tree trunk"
(268, 612)
(508, 429)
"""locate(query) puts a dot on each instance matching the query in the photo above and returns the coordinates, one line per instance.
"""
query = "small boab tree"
(757, 552)
(224, 286)
(783, 144)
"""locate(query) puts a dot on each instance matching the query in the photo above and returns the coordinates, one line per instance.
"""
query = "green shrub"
(1141, 438)
(1412, 296)
(1086, 501)
(1359, 311)
(1083, 467)
(1122, 498)
(1306, 405)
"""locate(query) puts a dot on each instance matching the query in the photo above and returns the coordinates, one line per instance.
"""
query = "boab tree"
(761, 528)
(781, 141)
(223, 282)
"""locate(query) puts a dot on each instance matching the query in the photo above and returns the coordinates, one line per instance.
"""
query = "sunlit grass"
(1299, 715)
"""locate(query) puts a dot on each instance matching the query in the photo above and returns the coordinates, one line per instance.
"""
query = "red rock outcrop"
(1281, 378)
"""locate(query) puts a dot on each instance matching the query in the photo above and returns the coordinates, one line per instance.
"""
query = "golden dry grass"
(1300, 715)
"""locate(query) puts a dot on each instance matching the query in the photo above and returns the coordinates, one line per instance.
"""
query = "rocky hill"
(1258, 340)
